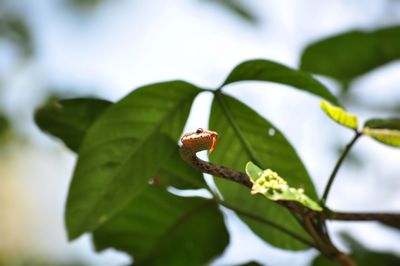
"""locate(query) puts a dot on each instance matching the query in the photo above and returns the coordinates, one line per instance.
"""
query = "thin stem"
(267, 222)
(366, 216)
(337, 166)
(235, 127)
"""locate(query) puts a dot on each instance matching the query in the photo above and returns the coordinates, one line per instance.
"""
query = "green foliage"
(244, 136)
(348, 55)
(169, 230)
(339, 115)
(123, 150)
(5, 130)
(69, 120)
(386, 131)
(15, 29)
(237, 8)
(275, 188)
(265, 70)
(85, 3)
(128, 157)
(4, 124)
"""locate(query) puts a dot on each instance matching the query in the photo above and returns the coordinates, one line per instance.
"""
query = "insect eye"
(199, 130)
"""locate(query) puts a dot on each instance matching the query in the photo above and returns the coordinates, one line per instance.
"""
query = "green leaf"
(16, 30)
(393, 225)
(251, 263)
(70, 119)
(385, 136)
(123, 150)
(4, 124)
(265, 70)
(339, 115)
(159, 228)
(245, 136)
(237, 8)
(386, 131)
(5, 130)
(350, 54)
(275, 188)
(85, 4)
(389, 123)
(177, 173)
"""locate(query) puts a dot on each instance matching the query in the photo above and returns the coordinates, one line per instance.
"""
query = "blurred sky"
(119, 45)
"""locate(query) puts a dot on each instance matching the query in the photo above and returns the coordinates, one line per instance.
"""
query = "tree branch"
(365, 216)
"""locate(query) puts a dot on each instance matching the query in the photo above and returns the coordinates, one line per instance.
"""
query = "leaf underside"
(158, 228)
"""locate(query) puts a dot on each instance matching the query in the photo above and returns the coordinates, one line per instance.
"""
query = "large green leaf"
(265, 70)
(123, 150)
(159, 228)
(348, 55)
(70, 119)
(386, 131)
(243, 136)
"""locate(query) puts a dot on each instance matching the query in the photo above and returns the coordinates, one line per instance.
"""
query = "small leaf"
(158, 228)
(123, 150)
(70, 119)
(4, 124)
(16, 29)
(386, 131)
(5, 130)
(387, 136)
(275, 188)
(253, 171)
(390, 123)
(237, 8)
(265, 70)
(339, 115)
(350, 54)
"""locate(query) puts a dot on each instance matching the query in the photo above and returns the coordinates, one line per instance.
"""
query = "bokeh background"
(103, 48)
